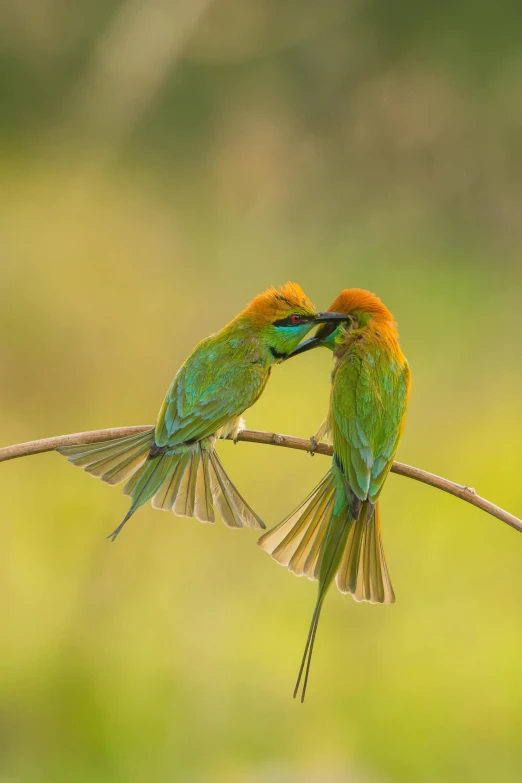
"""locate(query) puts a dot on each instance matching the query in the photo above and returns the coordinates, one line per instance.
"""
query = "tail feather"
(296, 541)
(305, 561)
(322, 539)
(122, 470)
(190, 479)
(371, 577)
(153, 475)
(165, 497)
(389, 595)
(233, 509)
(306, 660)
(363, 571)
(128, 489)
(352, 554)
(150, 480)
(113, 461)
(184, 504)
(331, 553)
(105, 466)
(203, 507)
(223, 501)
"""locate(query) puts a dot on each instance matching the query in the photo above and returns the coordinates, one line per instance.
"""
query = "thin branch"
(271, 439)
(50, 444)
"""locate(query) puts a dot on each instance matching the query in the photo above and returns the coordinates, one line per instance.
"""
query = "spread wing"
(207, 392)
(367, 409)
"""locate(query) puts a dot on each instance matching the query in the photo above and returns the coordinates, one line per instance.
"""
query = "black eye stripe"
(288, 320)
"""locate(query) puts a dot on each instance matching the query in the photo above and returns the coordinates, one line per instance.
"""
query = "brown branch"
(271, 439)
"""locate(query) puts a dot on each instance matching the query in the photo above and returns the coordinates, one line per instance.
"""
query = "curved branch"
(271, 439)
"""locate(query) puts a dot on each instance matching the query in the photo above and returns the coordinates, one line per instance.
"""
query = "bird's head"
(284, 316)
(362, 310)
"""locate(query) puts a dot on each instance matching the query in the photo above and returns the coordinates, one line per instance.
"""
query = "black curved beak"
(322, 317)
(314, 342)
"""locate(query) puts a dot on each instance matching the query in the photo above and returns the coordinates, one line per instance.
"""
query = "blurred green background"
(162, 162)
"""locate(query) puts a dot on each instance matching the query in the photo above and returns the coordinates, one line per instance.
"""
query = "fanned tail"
(233, 508)
(296, 541)
(189, 479)
(330, 557)
(321, 539)
(363, 571)
(113, 460)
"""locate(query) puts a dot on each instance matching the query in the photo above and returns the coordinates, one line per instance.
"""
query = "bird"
(336, 531)
(175, 463)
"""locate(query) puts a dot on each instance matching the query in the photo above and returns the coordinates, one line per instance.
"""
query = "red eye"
(295, 319)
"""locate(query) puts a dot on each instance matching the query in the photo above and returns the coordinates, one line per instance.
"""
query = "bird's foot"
(313, 445)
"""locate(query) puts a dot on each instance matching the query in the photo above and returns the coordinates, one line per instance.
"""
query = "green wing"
(207, 392)
(367, 409)
(395, 389)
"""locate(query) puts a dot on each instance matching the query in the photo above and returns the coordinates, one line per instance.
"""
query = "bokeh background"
(161, 162)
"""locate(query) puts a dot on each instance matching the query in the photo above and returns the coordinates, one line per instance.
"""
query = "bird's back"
(370, 388)
(222, 377)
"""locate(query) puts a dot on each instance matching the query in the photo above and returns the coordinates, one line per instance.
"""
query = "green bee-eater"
(175, 463)
(336, 532)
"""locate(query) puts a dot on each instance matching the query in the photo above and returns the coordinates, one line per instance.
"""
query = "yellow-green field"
(171, 655)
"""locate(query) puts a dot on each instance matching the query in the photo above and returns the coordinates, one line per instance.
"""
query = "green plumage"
(368, 403)
(336, 532)
(225, 375)
(175, 465)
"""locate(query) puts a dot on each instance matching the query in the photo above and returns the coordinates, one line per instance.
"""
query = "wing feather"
(207, 393)
(368, 406)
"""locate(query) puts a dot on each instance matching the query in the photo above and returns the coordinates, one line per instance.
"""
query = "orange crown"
(352, 299)
(278, 303)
